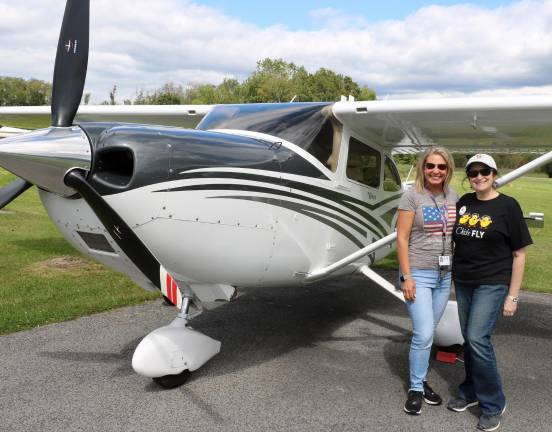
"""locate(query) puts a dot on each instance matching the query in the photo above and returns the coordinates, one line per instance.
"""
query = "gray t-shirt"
(426, 237)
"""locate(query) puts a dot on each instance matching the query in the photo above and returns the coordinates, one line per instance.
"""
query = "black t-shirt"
(485, 235)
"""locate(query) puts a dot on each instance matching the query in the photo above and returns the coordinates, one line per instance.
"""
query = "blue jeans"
(478, 308)
(432, 294)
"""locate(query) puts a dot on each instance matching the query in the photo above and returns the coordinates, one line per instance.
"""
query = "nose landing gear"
(169, 353)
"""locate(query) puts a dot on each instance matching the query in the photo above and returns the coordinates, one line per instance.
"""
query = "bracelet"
(405, 277)
(514, 299)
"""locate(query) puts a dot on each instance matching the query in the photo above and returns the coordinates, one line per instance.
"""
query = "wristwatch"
(402, 278)
(514, 299)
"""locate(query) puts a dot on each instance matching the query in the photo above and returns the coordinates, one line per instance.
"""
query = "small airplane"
(256, 195)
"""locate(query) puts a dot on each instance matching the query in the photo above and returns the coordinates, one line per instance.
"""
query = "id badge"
(444, 261)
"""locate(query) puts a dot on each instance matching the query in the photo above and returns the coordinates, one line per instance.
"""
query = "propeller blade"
(12, 191)
(71, 62)
(127, 240)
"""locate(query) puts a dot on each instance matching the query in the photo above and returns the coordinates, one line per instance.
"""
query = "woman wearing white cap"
(427, 213)
(490, 237)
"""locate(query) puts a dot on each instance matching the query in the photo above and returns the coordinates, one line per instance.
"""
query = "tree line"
(20, 92)
(273, 80)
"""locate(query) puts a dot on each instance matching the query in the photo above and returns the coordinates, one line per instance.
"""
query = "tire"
(172, 381)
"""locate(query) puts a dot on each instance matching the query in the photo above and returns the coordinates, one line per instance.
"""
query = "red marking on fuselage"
(168, 283)
(173, 290)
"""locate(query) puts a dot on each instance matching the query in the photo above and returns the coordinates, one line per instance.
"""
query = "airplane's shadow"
(265, 323)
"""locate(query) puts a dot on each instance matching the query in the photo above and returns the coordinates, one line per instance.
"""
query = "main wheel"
(172, 381)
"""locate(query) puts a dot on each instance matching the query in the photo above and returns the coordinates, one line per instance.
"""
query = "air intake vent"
(114, 166)
(96, 241)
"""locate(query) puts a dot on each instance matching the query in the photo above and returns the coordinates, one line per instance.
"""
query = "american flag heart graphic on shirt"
(433, 219)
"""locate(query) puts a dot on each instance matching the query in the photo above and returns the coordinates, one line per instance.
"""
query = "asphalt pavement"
(329, 357)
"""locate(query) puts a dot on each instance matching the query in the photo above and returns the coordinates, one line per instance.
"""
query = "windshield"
(310, 126)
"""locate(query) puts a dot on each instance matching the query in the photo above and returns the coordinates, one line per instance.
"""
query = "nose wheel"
(172, 381)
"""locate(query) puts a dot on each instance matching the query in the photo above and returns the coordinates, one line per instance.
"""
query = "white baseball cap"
(483, 158)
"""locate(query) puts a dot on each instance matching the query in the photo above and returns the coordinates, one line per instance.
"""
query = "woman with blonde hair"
(427, 213)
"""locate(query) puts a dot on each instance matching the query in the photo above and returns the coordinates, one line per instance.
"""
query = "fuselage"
(257, 195)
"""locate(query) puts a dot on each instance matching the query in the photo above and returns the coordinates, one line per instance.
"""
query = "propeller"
(12, 191)
(69, 77)
(71, 62)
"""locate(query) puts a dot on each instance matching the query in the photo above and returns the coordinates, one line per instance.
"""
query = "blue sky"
(295, 14)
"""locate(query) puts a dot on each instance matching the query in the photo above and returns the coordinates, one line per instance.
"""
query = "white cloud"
(437, 50)
(331, 18)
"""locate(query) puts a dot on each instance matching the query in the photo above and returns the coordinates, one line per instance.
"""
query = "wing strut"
(524, 169)
(325, 271)
(381, 281)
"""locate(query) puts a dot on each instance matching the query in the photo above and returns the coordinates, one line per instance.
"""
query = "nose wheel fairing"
(173, 349)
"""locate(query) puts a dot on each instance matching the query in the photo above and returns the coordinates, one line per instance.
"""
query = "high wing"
(498, 124)
(186, 116)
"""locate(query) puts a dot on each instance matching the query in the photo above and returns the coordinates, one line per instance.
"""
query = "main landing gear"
(448, 331)
(169, 353)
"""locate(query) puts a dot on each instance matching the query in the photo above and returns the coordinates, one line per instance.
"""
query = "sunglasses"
(484, 172)
(441, 167)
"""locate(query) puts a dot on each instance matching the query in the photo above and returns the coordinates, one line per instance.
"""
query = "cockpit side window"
(391, 177)
(363, 164)
(321, 145)
(333, 159)
(326, 144)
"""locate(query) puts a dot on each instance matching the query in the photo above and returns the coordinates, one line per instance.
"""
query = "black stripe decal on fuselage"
(334, 196)
(338, 198)
(307, 211)
(389, 215)
(261, 189)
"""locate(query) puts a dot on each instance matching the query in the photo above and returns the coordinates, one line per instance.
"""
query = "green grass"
(32, 294)
(534, 193)
(26, 122)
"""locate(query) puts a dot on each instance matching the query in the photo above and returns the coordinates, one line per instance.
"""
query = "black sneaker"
(430, 397)
(488, 423)
(460, 404)
(413, 404)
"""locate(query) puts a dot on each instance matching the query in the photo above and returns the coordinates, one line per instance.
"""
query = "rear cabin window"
(363, 164)
(391, 177)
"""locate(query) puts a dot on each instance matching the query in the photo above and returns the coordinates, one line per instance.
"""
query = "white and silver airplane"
(256, 195)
